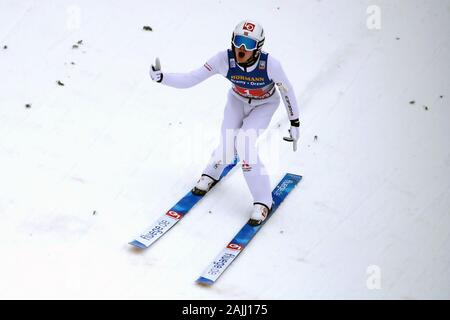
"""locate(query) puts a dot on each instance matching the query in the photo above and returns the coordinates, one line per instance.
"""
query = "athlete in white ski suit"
(252, 101)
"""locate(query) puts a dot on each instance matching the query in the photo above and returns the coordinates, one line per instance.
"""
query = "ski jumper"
(252, 101)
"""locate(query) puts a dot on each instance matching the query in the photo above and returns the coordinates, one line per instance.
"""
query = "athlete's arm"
(276, 73)
(213, 66)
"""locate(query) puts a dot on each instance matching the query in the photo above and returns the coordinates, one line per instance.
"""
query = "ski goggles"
(248, 43)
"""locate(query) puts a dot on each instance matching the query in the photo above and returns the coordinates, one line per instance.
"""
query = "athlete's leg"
(225, 153)
(254, 124)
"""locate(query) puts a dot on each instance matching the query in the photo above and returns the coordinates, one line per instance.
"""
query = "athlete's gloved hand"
(294, 133)
(155, 71)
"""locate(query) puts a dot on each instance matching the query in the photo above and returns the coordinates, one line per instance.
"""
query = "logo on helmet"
(249, 26)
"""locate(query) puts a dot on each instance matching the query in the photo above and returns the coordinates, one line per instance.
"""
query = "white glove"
(155, 71)
(294, 133)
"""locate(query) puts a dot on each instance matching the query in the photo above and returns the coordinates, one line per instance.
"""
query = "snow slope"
(92, 163)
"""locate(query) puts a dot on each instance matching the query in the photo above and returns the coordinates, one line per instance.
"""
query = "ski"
(171, 217)
(243, 237)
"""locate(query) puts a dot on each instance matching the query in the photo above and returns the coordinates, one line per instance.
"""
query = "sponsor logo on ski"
(222, 263)
(157, 230)
(234, 246)
(282, 187)
(174, 214)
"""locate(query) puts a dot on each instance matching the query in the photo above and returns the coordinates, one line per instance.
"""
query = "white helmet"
(249, 34)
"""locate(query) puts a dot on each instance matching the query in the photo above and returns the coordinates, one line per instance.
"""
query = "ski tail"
(246, 234)
(171, 217)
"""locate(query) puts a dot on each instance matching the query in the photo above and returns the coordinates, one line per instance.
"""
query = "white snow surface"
(92, 163)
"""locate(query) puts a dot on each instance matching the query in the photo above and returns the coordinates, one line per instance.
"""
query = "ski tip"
(204, 282)
(137, 244)
(294, 176)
